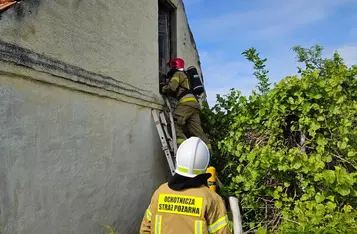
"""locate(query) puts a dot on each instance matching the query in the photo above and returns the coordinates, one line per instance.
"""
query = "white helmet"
(192, 157)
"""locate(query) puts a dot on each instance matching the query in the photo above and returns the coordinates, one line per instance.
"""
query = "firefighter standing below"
(187, 112)
(186, 204)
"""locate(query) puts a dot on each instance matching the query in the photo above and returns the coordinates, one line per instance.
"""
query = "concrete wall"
(71, 162)
(186, 46)
(104, 36)
(78, 147)
(185, 43)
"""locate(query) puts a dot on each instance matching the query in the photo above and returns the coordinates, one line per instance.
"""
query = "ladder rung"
(163, 138)
(168, 142)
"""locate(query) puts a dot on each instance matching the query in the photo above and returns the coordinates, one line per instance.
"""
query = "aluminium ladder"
(167, 135)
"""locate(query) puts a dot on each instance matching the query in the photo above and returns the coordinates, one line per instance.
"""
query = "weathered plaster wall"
(186, 46)
(185, 42)
(110, 37)
(78, 147)
(71, 162)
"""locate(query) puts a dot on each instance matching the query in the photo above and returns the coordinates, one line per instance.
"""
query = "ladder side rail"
(165, 146)
(165, 124)
(173, 130)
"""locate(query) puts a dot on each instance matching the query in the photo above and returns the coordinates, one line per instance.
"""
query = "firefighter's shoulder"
(212, 196)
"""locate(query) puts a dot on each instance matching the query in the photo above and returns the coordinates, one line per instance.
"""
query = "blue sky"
(223, 29)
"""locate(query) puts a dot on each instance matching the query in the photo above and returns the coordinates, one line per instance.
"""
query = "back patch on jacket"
(180, 204)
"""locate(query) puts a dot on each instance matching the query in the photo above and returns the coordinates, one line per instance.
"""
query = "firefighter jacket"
(179, 84)
(188, 210)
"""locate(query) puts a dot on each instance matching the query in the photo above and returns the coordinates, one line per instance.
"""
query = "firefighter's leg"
(182, 113)
(194, 126)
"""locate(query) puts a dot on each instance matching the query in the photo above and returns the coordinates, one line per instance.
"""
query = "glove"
(161, 85)
(162, 78)
(162, 82)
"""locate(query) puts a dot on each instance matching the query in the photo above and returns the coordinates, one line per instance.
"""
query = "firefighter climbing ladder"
(169, 146)
(168, 142)
(167, 136)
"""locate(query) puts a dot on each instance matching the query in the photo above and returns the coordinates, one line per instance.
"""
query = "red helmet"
(177, 63)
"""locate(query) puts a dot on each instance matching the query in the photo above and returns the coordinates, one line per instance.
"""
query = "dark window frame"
(166, 35)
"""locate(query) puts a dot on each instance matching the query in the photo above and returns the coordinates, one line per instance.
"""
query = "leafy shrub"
(289, 153)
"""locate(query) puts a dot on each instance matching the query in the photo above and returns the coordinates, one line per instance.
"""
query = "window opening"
(164, 37)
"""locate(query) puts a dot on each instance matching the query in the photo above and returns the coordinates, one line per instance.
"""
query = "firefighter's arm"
(173, 84)
(217, 218)
(146, 222)
(145, 227)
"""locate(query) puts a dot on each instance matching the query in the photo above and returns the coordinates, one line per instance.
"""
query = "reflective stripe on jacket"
(193, 210)
(178, 83)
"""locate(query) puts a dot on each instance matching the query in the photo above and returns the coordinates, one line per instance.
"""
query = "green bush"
(289, 153)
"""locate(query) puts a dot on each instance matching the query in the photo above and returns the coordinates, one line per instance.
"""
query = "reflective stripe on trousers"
(180, 140)
(188, 99)
(158, 224)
